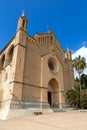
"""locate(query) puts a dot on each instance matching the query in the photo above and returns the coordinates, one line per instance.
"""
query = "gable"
(48, 43)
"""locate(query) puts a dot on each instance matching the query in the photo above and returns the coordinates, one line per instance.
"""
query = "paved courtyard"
(51, 121)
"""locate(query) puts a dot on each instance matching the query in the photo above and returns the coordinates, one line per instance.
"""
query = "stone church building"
(35, 73)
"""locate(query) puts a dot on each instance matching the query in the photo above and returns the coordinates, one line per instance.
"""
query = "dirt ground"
(51, 121)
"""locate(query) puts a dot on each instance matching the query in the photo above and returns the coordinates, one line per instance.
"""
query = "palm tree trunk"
(79, 100)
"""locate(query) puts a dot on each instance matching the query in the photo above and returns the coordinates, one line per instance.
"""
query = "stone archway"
(53, 93)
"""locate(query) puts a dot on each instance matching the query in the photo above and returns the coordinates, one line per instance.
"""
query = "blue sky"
(67, 19)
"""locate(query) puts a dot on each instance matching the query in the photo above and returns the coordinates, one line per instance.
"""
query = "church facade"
(35, 73)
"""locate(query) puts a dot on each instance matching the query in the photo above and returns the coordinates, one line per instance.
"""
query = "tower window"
(23, 22)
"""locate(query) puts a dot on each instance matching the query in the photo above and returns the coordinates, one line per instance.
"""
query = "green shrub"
(84, 101)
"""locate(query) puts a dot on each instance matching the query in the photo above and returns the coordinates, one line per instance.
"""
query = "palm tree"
(77, 99)
(73, 96)
(79, 63)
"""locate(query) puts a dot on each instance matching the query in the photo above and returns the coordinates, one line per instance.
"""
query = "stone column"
(61, 99)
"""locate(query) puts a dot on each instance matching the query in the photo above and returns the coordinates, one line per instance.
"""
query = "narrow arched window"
(23, 23)
(2, 62)
(10, 55)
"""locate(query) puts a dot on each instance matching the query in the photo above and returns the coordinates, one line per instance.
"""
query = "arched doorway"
(53, 93)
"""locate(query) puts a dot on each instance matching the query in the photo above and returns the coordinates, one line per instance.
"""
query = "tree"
(73, 96)
(77, 98)
(83, 81)
(79, 63)
(84, 101)
(77, 80)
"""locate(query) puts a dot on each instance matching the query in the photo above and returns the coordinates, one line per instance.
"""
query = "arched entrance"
(53, 93)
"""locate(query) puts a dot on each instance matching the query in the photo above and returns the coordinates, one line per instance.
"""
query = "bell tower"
(22, 22)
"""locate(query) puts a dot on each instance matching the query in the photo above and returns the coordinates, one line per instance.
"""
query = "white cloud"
(83, 53)
(84, 43)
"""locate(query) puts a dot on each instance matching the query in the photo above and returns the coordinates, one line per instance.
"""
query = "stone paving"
(52, 121)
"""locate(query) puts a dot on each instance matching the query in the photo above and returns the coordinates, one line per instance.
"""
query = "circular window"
(53, 65)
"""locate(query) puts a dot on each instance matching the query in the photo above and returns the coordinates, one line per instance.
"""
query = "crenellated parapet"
(48, 39)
